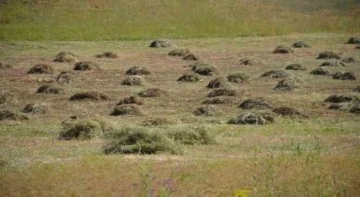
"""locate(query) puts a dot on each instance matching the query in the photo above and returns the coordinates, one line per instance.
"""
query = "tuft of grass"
(192, 136)
(81, 129)
(139, 141)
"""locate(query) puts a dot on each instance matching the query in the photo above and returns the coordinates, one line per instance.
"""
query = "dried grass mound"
(6, 114)
(126, 110)
(283, 50)
(238, 78)
(295, 67)
(83, 66)
(49, 89)
(136, 70)
(83, 129)
(65, 57)
(34, 108)
(286, 85)
(341, 99)
(320, 71)
(221, 92)
(276, 74)
(357, 89)
(253, 118)
(355, 109)
(344, 76)
(348, 60)
(41, 69)
(192, 136)
(217, 83)
(153, 92)
(133, 81)
(160, 44)
(66, 77)
(5, 65)
(157, 122)
(7, 99)
(208, 110)
(138, 141)
(255, 104)
(300, 44)
(95, 96)
(179, 52)
(287, 111)
(109, 54)
(346, 106)
(130, 100)
(328, 55)
(189, 78)
(333, 63)
(246, 61)
(218, 101)
(203, 68)
(191, 57)
(353, 40)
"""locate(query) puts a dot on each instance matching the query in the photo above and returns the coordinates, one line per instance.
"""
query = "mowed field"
(314, 153)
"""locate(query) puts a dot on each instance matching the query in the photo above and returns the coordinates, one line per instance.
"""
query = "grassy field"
(294, 156)
(133, 20)
(313, 153)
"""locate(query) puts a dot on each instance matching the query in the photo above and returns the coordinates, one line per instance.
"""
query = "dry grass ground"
(315, 156)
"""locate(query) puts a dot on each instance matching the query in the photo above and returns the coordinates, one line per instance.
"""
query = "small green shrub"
(138, 141)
